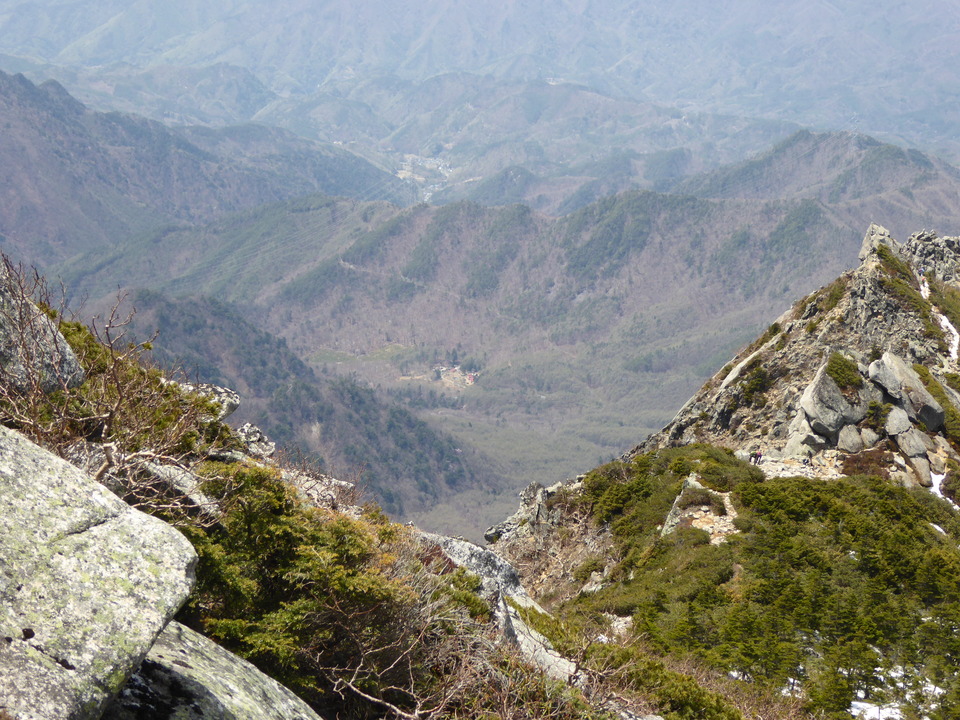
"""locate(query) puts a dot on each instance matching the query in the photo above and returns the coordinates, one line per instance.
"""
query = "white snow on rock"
(869, 711)
(938, 491)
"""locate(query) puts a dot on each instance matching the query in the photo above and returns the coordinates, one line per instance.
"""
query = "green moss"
(953, 380)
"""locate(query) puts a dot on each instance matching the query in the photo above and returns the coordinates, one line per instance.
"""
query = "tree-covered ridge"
(834, 590)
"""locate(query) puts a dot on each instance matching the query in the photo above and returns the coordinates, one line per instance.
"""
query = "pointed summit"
(861, 375)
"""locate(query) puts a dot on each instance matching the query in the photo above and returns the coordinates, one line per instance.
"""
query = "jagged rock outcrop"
(257, 444)
(715, 517)
(188, 677)
(33, 353)
(547, 540)
(503, 590)
(87, 583)
(841, 370)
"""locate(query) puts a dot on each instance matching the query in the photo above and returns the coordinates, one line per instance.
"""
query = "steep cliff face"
(867, 363)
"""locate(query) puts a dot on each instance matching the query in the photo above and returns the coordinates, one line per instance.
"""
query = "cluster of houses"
(454, 376)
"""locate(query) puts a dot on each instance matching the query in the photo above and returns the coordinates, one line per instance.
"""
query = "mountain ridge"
(113, 175)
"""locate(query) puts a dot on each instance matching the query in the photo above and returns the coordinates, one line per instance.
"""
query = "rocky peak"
(863, 371)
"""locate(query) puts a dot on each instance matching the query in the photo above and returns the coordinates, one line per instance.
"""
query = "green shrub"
(844, 372)
(589, 566)
(702, 497)
(317, 599)
(877, 413)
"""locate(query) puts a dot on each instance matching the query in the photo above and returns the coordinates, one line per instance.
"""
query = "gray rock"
(227, 400)
(884, 376)
(801, 440)
(921, 467)
(919, 404)
(33, 353)
(849, 440)
(500, 583)
(937, 464)
(86, 585)
(258, 444)
(188, 677)
(497, 574)
(897, 422)
(184, 486)
(869, 437)
(874, 236)
(826, 407)
(911, 443)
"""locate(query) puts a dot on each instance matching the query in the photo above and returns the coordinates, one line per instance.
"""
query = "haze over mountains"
(457, 92)
(671, 206)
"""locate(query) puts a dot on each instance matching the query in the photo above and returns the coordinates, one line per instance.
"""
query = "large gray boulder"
(33, 353)
(902, 383)
(827, 409)
(86, 585)
(188, 677)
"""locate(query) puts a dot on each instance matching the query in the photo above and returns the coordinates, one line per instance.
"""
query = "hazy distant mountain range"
(450, 93)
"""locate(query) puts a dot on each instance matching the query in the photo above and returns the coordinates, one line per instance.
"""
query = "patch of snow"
(938, 528)
(869, 711)
(947, 326)
(950, 330)
(936, 489)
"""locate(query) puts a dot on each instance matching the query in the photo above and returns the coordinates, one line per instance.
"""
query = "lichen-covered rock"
(188, 677)
(86, 585)
(33, 353)
(257, 444)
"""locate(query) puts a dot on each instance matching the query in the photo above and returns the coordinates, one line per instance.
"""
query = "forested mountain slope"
(878, 67)
(76, 180)
(403, 463)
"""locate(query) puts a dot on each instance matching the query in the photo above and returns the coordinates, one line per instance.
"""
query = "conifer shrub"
(589, 566)
(339, 609)
(877, 414)
(843, 371)
(822, 301)
(824, 578)
(695, 497)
